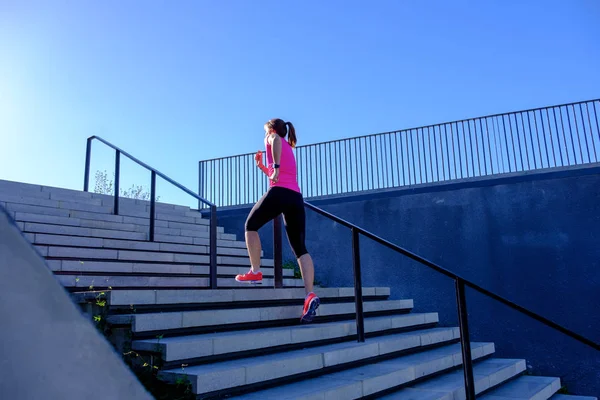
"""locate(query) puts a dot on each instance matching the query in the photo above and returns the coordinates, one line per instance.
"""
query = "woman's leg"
(307, 269)
(265, 209)
(295, 226)
(254, 248)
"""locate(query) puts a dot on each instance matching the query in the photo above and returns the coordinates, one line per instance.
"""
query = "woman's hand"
(258, 157)
(275, 176)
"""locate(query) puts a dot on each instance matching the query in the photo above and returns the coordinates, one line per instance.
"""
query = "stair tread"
(65, 252)
(185, 319)
(525, 388)
(138, 297)
(372, 378)
(106, 280)
(201, 345)
(48, 239)
(487, 373)
(571, 397)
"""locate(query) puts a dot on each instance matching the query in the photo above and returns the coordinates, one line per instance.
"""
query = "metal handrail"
(154, 174)
(460, 284)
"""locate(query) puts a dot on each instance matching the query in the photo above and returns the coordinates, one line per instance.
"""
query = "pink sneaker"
(311, 303)
(250, 277)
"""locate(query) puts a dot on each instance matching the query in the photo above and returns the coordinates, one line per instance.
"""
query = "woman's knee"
(251, 225)
(299, 249)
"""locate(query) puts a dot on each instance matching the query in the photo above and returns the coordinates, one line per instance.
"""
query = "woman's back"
(287, 167)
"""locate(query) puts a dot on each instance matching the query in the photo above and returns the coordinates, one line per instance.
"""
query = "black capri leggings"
(284, 201)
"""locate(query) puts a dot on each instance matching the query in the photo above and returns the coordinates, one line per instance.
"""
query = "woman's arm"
(275, 141)
(258, 157)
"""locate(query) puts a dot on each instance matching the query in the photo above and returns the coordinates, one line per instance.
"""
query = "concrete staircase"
(246, 341)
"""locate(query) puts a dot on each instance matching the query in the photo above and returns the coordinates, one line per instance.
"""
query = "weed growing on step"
(104, 185)
(146, 370)
(293, 264)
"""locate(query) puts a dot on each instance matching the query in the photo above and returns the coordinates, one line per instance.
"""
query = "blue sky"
(178, 82)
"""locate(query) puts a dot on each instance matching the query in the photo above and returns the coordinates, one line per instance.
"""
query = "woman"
(283, 197)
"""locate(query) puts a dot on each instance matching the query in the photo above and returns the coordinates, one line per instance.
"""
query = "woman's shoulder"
(270, 138)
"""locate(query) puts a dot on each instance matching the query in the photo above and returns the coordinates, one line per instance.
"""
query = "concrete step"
(212, 344)
(198, 241)
(247, 371)
(487, 374)
(84, 253)
(64, 209)
(18, 189)
(107, 281)
(190, 296)
(70, 204)
(117, 222)
(525, 388)
(204, 318)
(81, 241)
(366, 380)
(34, 227)
(571, 397)
(123, 267)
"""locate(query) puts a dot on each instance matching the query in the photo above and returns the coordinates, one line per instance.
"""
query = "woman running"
(283, 197)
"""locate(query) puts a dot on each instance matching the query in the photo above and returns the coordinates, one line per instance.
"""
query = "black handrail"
(460, 284)
(154, 174)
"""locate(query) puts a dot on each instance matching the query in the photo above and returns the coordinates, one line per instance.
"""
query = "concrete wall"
(49, 350)
(532, 238)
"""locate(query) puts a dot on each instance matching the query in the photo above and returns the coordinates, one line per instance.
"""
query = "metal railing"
(154, 174)
(459, 282)
(556, 136)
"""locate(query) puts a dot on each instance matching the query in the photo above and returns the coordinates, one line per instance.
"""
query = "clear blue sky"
(178, 82)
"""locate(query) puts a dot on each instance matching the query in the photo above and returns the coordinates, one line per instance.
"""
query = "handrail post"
(277, 252)
(88, 158)
(117, 178)
(358, 299)
(200, 184)
(465, 341)
(152, 204)
(213, 247)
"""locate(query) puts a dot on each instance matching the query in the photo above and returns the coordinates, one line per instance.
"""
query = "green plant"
(563, 390)
(106, 186)
(292, 264)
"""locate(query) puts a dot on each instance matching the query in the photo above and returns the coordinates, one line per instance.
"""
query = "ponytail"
(291, 134)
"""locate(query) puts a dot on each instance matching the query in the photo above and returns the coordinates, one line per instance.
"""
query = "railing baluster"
(591, 131)
(152, 204)
(213, 247)
(483, 145)
(557, 137)
(117, 181)
(597, 125)
(448, 150)
(506, 142)
(358, 299)
(525, 140)
(584, 131)
(487, 134)
(562, 123)
(88, 160)
(277, 252)
(471, 146)
(465, 342)
(200, 182)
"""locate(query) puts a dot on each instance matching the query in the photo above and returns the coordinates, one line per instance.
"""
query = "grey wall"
(49, 350)
(532, 238)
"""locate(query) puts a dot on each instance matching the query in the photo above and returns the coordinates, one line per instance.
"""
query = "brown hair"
(283, 129)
